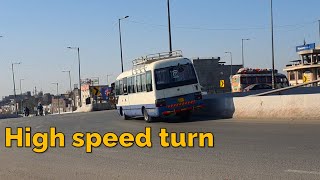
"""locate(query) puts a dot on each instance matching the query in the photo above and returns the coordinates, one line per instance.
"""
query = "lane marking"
(303, 172)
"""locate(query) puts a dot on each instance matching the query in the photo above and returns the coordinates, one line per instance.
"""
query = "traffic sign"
(95, 91)
(305, 79)
(222, 83)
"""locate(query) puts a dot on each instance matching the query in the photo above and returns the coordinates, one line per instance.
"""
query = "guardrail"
(285, 89)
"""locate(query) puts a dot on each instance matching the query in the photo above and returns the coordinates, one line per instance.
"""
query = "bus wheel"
(146, 116)
(125, 117)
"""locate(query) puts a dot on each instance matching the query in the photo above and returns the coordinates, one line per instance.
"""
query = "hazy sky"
(37, 32)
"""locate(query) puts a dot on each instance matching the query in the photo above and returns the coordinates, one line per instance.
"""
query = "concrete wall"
(283, 106)
(85, 108)
(276, 106)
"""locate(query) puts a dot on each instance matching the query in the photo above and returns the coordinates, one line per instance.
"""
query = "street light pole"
(14, 87)
(108, 75)
(121, 41)
(242, 50)
(272, 42)
(78, 50)
(21, 106)
(57, 84)
(319, 29)
(69, 72)
(169, 26)
(231, 62)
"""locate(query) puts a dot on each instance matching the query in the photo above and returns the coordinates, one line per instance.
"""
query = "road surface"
(244, 149)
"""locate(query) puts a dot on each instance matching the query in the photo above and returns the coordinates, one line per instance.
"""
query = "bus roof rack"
(156, 57)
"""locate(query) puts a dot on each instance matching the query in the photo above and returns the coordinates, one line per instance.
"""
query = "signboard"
(222, 83)
(306, 47)
(101, 91)
(307, 77)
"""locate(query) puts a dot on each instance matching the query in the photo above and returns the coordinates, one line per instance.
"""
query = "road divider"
(300, 106)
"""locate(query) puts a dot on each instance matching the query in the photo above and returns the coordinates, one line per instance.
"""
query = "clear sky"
(37, 32)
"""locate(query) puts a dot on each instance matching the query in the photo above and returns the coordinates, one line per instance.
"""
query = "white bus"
(158, 85)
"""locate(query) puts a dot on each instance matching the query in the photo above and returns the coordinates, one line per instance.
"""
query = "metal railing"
(157, 57)
(286, 88)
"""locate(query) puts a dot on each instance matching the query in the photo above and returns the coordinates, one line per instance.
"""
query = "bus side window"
(149, 81)
(133, 84)
(143, 82)
(125, 88)
(139, 88)
(269, 79)
(129, 85)
(243, 80)
(121, 87)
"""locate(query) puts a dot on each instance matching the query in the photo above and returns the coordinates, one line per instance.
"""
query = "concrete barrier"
(5, 116)
(93, 107)
(85, 108)
(281, 106)
(276, 106)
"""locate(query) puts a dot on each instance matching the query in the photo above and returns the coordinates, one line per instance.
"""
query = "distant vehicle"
(247, 76)
(257, 87)
(159, 85)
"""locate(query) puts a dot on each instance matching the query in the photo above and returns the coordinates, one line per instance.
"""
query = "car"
(257, 87)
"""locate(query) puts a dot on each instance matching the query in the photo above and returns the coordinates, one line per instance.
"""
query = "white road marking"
(303, 172)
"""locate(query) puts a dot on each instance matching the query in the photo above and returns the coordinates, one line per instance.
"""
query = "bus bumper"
(174, 112)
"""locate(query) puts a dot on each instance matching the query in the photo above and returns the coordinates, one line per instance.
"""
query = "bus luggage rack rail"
(156, 57)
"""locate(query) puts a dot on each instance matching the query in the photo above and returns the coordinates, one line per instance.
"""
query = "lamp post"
(231, 62)
(319, 28)
(57, 84)
(108, 75)
(14, 86)
(121, 41)
(21, 106)
(272, 44)
(69, 73)
(169, 26)
(78, 50)
(242, 50)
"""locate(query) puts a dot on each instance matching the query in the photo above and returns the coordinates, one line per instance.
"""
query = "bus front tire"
(125, 117)
(146, 116)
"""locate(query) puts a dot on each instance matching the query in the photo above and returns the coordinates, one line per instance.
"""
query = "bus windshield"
(175, 76)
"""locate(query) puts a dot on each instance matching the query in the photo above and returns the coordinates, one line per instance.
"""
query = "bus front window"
(175, 76)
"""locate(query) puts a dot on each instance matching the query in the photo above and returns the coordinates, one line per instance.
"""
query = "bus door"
(125, 98)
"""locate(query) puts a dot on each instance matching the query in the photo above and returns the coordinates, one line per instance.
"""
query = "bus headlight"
(198, 96)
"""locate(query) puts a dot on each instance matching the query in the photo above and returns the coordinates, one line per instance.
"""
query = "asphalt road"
(244, 149)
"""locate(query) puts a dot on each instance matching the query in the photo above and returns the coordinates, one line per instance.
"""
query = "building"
(62, 103)
(214, 75)
(307, 68)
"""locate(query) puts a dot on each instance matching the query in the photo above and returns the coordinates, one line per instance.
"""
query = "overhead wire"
(297, 26)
